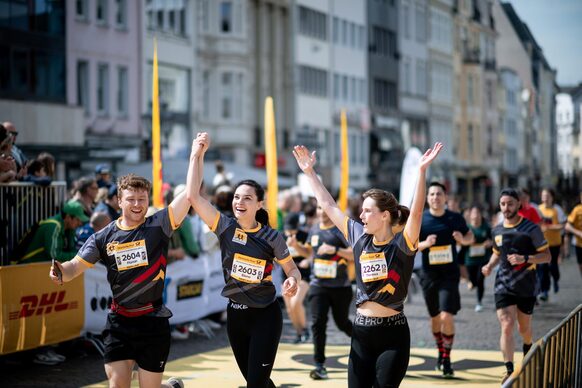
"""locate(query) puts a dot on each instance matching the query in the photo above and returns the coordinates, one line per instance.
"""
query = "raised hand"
(305, 160)
(200, 144)
(430, 155)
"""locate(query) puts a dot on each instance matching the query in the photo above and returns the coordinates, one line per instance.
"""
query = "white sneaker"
(179, 335)
(213, 325)
(59, 357)
(478, 308)
(175, 382)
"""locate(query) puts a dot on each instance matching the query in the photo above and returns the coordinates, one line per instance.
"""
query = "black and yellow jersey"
(328, 270)
(383, 268)
(247, 260)
(135, 259)
(521, 238)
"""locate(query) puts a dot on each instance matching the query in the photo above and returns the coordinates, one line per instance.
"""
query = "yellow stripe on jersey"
(543, 247)
(345, 227)
(496, 251)
(411, 246)
(85, 262)
(215, 223)
(172, 220)
(285, 260)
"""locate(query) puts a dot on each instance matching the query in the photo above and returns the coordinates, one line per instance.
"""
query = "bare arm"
(570, 228)
(290, 285)
(412, 228)
(493, 260)
(306, 162)
(203, 207)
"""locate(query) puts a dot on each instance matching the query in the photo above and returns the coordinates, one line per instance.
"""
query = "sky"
(557, 27)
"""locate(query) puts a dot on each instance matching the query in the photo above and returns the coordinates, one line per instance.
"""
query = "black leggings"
(545, 270)
(380, 352)
(478, 279)
(320, 301)
(254, 335)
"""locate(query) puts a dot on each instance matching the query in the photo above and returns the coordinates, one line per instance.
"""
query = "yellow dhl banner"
(35, 311)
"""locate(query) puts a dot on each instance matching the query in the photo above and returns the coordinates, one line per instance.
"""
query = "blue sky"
(557, 27)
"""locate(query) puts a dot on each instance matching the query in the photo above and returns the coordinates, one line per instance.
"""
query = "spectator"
(16, 152)
(36, 174)
(183, 243)
(8, 169)
(48, 160)
(98, 221)
(111, 204)
(85, 191)
(103, 176)
(221, 178)
(52, 238)
(223, 200)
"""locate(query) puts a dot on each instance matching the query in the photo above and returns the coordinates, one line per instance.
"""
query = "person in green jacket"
(54, 237)
(478, 253)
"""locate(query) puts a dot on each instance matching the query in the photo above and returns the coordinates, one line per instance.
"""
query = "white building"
(440, 93)
(567, 138)
(172, 25)
(103, 62)
(330, 51)
(413, 80)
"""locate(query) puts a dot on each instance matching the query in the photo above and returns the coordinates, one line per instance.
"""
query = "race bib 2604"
(131, 255)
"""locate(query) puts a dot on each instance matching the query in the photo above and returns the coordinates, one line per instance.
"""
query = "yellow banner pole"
(158, 200)
(345, 164)
(271, 161)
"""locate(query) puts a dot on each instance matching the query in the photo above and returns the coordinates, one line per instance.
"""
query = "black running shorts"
(143, 339)
(525, 304)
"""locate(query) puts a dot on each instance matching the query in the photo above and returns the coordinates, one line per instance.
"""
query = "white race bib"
(247, 269)
(373, 267)
(325, 269)
(440, 255)
(477, 250)
(131, 255)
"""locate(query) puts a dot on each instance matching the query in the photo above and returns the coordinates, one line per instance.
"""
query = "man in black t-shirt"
(518, 245)
(441, 231)
(134, 250)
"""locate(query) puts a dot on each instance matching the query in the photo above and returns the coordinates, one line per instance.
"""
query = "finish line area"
(218, 369)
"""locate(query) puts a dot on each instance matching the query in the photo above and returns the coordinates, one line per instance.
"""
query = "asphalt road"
(474, 331)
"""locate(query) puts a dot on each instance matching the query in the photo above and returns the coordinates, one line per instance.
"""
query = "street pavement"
(202, 361)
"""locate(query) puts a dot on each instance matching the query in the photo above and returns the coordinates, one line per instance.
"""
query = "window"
(226, 17)
(81, 9)
(121, 13)
(336, 30)
(314, 81)
(406, 76)
(122, 91)
(352, 35)
(421, 88)
(470, 90)
(103, 89)
(226, 106)
(336, 86)
(405, 20)
(470, 139)
(489, 91)
(384, 93)
(206, 94)
(204, 15)
(420, 23)
(102, 11)
(314, 23)
(383, 42)
(83, 85)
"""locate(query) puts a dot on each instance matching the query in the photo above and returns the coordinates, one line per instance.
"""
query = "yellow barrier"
(555, 360)
(36, 312)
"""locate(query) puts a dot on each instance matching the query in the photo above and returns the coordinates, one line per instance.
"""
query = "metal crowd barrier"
(555, 360)
(21, 205)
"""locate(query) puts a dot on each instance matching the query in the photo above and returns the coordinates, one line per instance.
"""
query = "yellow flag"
(271, 161)
(157, 179)
(345, 164)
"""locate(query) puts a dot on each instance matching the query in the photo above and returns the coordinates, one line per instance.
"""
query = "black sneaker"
(298, 339)
(439, 365)
(319, 373)
(448, 372)
(305, 336)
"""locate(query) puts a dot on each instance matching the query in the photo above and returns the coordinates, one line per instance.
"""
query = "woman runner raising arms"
(249, 248)
(380, 348)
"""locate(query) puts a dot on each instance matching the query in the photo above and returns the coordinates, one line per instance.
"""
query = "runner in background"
(552, 228)
(330, 287)
(518, 246)
(477, 254)
(441, 231)
(574, 226)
